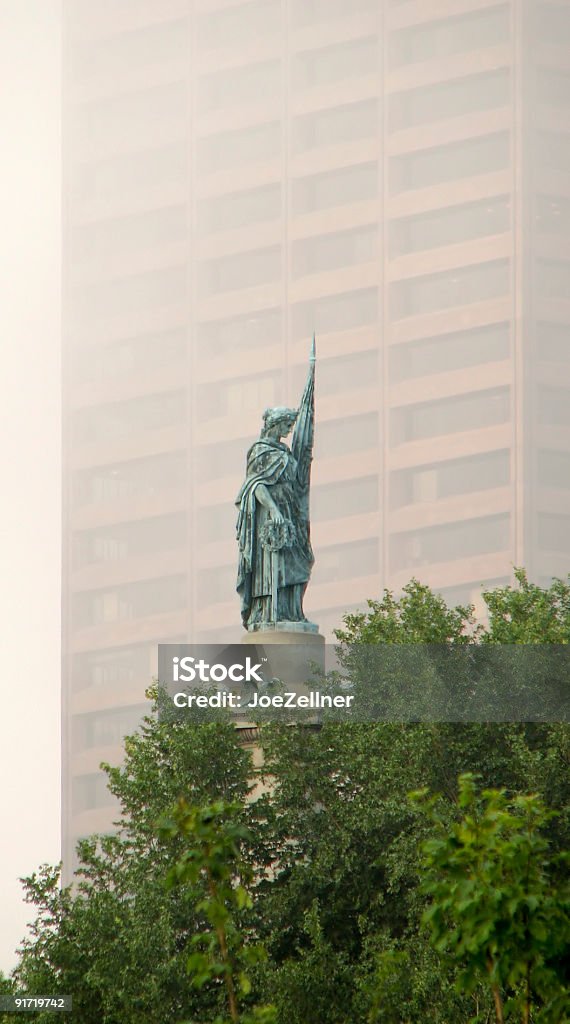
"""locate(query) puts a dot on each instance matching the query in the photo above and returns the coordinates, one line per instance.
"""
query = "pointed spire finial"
(313, 355)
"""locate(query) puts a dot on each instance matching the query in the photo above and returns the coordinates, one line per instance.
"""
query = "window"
(335, 188)
(332, 251)
(350, 498)
(347, 435)
(233, 397)
(553, 278)
(229, 27)
(117, 667)
(450, 415)
(239, 148)
(132, 601)
(239, 333)
(449, 226)
(162, 112)
(450, 352)
(139, 478)
(224, 213)
(218, 584)
(446, 479)
(458, 287)
(457, 160)
(449, 542)
(434, 40)
(554, 407)
(554, 533)
(132, 294)
(104, 240)
(448, 99)
(553, 214)
(156, 44)
(554, 468)
(132, 173)
(310, 12)
(129, 540)
(351, 59)
(225, 459)
(553, 87)
(470, 594)
(107, 728)
(242, 270)
(346, 561)
(90, 792)
(338, 312)
(345, 373)
(218, 522)
(139, 354)
(553, 23)
(552, 342)
(240, 86)
(333, 127)
(553, 151)
(121, 419)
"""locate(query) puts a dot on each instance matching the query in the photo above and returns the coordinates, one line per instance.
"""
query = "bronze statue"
(273, 526)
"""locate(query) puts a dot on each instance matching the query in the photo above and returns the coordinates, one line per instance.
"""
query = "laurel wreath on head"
(275, 536)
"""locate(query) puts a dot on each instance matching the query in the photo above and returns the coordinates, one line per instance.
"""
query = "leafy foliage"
(495, 907)
(328, 853)
(221, 951)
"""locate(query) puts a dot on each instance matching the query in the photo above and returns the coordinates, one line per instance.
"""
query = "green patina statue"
(273, 526)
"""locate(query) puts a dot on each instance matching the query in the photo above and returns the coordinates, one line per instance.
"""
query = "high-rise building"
(238, 173)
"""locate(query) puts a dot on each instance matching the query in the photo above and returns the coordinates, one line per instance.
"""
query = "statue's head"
(279, 421)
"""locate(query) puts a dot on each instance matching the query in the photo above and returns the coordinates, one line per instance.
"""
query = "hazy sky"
(30, 450)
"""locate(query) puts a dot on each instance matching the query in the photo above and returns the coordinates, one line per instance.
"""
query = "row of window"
(133, 417)
(449, 542)
(161, 114)
(456, 98)
(115, 239)
(322, 254)
(448, 352)
(326, 253)
(129, 540)
(139, 354)
(448, 479)
(116, 667)
(106, 728)
(107, 240)
(138, 293)
(131, 601)
(449, 225)
(459, 286)
(438, 39)
(450, 415)
(140, 478)
(160, 43)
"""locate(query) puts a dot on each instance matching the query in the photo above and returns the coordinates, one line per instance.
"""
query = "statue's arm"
(264, 498)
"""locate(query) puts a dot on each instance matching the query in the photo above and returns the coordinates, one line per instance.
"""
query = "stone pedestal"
(290, 651)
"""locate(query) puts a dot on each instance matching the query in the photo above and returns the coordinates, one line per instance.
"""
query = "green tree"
(117, 941)
(497, 907)
(222, 950)
(335, 844)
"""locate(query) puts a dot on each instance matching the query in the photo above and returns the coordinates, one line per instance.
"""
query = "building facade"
(392, 174)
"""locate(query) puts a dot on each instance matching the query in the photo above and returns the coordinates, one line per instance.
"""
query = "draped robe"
(271, 463)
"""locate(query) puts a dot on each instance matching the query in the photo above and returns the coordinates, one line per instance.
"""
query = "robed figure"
(273, 526)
